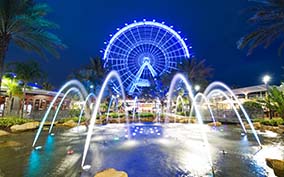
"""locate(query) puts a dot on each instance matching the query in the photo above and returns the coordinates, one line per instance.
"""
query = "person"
(87, 123)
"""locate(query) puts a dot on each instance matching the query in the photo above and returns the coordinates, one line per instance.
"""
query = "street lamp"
(197, 88)
(266, 80)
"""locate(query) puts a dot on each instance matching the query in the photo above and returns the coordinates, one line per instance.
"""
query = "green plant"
(275, 100)
(74, 112)
(253, 109)
(10, 121)
(271, 122)
(267, 18)
(146, 114)
(75, 119)
(23, 22)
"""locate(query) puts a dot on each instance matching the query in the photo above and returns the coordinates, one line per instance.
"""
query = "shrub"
(271, 122)
(253, 109)
(75, 119)
(10, 121)
(146, 114)
(74, 112)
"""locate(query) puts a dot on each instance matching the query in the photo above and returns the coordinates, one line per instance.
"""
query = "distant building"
(35, 100)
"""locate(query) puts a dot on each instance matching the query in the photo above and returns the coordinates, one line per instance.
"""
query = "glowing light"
(38, 148)
(266, 79)
(197, 88)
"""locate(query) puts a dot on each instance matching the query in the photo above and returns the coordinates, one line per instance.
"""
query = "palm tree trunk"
(4, 42)
(23, 102)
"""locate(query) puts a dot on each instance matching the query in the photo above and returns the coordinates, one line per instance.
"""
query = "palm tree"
(47, 85)
(275, 100)
(268, 18)
(194, 70)
(28, 71)
(93, 73)
(23, 22)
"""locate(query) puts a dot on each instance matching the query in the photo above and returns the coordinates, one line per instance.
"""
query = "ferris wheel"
(144, 50)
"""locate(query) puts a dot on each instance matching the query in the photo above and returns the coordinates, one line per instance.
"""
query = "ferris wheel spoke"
(117, 54)
(158, 52)
(120, 48)
(174, 52)
(160, 67)
(162, 38)
(138, 32)
(167, 41)
(134, 37)
(172, 45)
(131, 42)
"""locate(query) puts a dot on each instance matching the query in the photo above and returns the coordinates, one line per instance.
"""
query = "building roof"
(251, 89)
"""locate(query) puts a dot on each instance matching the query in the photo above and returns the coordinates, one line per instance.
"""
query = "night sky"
(212, 27)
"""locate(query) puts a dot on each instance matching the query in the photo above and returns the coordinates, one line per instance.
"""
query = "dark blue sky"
(212, 27)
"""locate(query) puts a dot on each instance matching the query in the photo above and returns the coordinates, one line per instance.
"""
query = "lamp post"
(266, 80)
(197, 88)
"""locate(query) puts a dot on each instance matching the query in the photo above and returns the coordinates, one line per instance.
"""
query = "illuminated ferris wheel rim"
(142, 23)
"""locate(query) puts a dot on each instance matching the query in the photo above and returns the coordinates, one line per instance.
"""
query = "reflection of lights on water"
(129, 144)
(158, 134)
(86, 167)
(272, 152)
(268, 134)
(197, 164)
(38, 148)
(98, 138)
(245, 138)
(126, 136)
(140, 132)
(133, 134)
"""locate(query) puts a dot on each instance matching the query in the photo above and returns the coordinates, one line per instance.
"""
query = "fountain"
(203, 97)
(68, 84)
(174, 81)
(156, 132)
(224, 86)
(111, 75)
(179, 99)
(134, 109)
(112, 99)
(84, 105)
(72, 89)
(218, 91)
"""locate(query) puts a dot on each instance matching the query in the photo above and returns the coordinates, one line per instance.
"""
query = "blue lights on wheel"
(144, 50)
